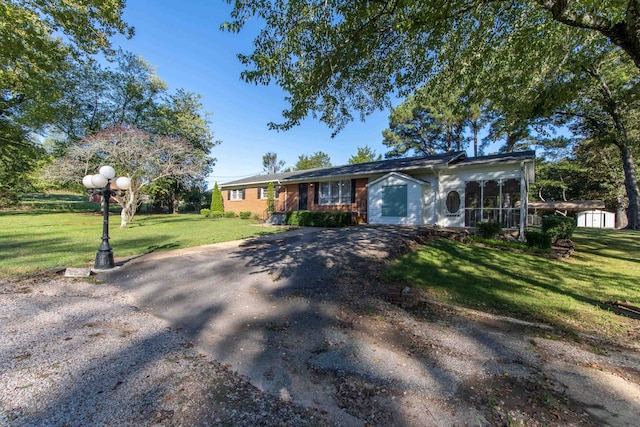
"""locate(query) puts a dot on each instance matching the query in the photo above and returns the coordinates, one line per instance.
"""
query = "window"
(394, 200)
(236, 195)
(335, 193)
(262, 193)
(453, 202)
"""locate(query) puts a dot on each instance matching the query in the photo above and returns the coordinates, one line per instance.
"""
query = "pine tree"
(217, 203)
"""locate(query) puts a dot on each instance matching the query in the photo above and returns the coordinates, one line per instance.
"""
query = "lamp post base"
(104, 260)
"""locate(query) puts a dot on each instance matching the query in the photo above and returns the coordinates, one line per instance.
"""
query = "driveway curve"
(304, 317)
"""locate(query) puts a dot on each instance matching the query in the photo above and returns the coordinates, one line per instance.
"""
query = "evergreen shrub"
(489, 229)
(245, 215)
(205, 212)
(216, 214)
(558, 227)
(229, 214)
(537, 239)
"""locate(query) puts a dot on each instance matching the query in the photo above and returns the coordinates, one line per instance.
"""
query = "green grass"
(40, 239)
(566, 294)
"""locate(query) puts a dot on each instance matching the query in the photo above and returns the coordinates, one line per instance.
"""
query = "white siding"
(596, 219)
(414, 202)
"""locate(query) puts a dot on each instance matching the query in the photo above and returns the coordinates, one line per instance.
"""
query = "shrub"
(319, 219)
(217, 202)
(538, 240)
(245, 215)
(489, 229)
(205, 212)
(558, 227)
(229, 214)
(216, 214)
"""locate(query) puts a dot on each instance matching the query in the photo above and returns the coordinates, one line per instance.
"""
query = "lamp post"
(100, 183)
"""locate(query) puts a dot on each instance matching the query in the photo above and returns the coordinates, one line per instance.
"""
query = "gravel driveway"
(294, 329)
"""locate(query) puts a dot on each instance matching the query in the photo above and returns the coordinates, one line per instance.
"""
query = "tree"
(271, 197)
(97, 98)
(143, 157)
(419, 129)
(32, 53)
(271, 164)
(339, 57)
(316, 160)
(217, 202)
(365, 154)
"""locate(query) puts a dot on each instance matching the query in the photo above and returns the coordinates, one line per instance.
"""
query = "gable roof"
(404, 164)
(360, 169)
(402, 176)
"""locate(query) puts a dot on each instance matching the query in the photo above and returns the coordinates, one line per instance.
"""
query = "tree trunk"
(176, 203)
(621, 213)
(631, 185)
(129, 208)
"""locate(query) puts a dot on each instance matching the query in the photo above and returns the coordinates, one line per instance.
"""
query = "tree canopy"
(315, 160)
(364, 155)
(38, 41)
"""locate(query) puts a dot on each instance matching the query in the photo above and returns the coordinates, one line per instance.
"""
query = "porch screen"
(394, 200)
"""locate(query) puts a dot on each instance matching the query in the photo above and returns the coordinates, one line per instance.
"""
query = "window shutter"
(259, 193)
(353, 191)
(316, 191)
(229, 194)
(242, 194)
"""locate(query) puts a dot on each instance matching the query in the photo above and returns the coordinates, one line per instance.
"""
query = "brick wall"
(288, 200)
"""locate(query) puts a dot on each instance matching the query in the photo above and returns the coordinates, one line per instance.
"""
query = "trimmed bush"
(558, 227)
(245, 215)
(229, 214)
(538, 240)
(216, 214)
(205, 212)
(489, 229)
(319, 219)
(217, 202)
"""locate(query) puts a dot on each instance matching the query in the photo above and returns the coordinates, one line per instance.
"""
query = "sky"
(183, 40)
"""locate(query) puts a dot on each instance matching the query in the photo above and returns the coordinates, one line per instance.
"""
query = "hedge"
(245, 215)
(205, 212)
(216, 214)
(229, 214)
(319, 219)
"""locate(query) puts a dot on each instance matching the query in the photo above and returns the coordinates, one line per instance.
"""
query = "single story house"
(447, 190)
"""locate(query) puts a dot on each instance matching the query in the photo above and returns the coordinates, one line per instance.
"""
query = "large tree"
(32, 54)
(144, 158)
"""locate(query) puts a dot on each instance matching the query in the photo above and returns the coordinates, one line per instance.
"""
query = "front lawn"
(566, 294)
(33, 240)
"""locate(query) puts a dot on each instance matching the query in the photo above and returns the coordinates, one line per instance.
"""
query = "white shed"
(596, 219)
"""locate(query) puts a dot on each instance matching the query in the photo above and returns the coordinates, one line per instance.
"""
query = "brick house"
(449, 190)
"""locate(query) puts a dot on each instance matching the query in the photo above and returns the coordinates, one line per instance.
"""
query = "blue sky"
(183, 41)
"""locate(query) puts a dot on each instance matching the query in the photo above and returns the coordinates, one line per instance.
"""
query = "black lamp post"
(100, 183)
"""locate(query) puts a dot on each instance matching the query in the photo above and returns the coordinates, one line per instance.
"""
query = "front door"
(302, 197)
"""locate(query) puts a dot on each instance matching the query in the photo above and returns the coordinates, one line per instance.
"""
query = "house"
(448, 190)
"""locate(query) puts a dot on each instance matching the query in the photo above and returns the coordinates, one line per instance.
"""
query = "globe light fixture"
(100, 183)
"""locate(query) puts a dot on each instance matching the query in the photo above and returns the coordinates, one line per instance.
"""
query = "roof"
(573, 205)
(380, 167)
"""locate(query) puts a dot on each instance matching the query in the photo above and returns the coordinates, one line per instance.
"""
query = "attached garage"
(396, 199)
